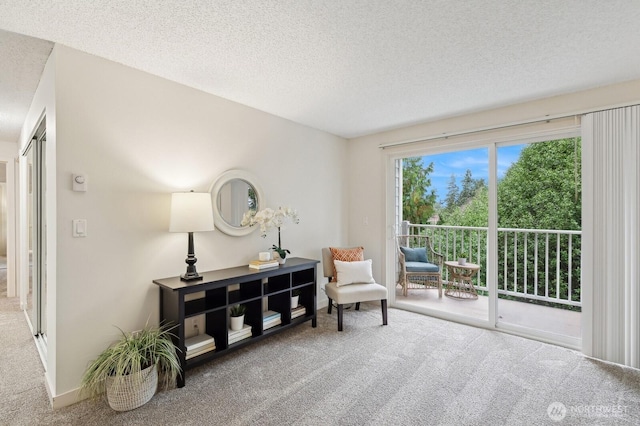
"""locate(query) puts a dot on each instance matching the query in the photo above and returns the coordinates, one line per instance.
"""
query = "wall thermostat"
(79, 182)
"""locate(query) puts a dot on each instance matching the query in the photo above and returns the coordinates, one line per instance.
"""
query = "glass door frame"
(392, 213)
(34, 178)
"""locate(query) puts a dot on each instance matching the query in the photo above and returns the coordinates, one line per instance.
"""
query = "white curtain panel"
(611, 235)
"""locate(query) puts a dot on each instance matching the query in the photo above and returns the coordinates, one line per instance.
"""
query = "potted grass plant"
(129, 370)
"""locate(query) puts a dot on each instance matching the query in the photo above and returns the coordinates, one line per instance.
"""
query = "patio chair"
(420, 266)
(354, 291)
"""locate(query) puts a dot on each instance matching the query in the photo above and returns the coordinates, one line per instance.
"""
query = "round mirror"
(233, 194)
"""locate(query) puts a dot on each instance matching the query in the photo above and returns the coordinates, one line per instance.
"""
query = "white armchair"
(355, 292)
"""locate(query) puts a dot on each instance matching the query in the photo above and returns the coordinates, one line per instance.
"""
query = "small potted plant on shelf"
(295, 297)
(129, 369)
(237, 317)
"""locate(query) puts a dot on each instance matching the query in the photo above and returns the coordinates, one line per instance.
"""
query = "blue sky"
(476, 160)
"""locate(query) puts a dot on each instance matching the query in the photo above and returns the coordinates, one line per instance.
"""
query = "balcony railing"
(535, 264)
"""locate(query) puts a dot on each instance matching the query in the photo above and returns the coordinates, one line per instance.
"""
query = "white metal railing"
(534, 264)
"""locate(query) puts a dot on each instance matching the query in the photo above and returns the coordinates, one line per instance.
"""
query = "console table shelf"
(215, 294)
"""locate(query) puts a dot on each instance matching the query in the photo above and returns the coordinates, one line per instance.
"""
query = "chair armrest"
(438, 258)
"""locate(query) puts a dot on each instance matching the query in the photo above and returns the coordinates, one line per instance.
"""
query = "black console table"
(219, 290)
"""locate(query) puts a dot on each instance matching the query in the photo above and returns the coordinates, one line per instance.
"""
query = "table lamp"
(191, 212)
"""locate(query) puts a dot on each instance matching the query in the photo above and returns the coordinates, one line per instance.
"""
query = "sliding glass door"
(539, 236)
(506, 218)
(36, 220)
(445, 198)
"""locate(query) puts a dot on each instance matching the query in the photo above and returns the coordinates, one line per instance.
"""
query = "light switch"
(79, 228)
(80, 182)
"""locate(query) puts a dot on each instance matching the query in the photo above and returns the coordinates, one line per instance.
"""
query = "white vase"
(294, 301)
(237, 323)
(281, 260)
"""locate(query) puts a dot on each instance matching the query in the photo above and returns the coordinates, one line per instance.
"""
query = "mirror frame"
(216, 186)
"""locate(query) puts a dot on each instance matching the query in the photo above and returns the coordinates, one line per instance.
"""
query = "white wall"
(367, 184)
(8, 149)
(138, 138)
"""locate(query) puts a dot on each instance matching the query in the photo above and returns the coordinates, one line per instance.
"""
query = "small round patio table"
(460, 285)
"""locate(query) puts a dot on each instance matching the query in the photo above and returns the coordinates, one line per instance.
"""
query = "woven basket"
(131, 391)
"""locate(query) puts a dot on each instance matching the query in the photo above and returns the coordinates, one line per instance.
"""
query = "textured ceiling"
(353, 67)
(22, 60)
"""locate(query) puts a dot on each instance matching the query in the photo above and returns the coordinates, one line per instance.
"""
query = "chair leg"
(357, 306)
(329, 306)
(384, 311)
(440, 287)
(340, 309)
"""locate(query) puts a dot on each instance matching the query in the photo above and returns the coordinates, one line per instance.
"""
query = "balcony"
(538, 276)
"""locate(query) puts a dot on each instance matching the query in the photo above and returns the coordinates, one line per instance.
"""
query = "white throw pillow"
(353, 272)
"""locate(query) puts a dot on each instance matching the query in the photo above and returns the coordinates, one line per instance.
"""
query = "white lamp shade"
(191, 212)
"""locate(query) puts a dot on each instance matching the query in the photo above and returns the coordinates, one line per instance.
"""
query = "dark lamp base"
(190, 277)
(191, 274)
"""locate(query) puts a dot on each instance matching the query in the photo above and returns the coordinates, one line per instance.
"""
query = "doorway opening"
(4, 230)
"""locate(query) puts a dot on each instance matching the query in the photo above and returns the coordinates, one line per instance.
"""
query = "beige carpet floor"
(415, 371)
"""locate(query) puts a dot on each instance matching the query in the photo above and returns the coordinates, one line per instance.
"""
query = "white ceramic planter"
(237, 323)
(294, 301)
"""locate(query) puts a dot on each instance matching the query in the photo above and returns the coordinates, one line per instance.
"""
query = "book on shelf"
(298, 311)
(238, 338)
(267, 315)
(202, 350)
(199, 341)
(262, 264)
(271, 323)
(299, 308)
(243, 334)
(245, 328)
(237, 335)
(271, 319)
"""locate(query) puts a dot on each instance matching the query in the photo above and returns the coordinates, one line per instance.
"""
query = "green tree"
(469, 188)
(418, 198)
(542, 190)
(474, 213)
(478, 184)
(451, 202)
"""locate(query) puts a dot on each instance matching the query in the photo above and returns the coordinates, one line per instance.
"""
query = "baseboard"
(322, 303)
(48, 387)
(65, 399)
